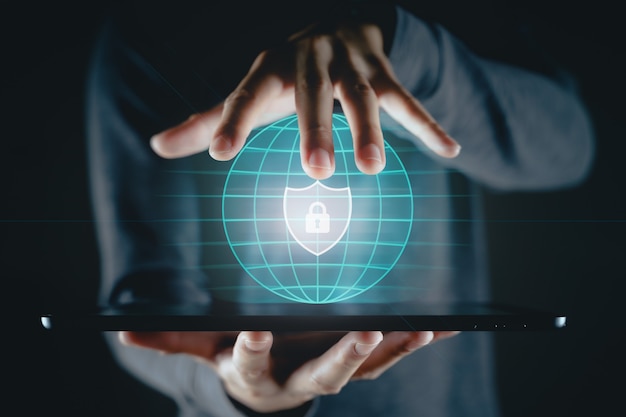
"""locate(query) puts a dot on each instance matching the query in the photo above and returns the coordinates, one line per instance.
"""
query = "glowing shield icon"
(317, 216)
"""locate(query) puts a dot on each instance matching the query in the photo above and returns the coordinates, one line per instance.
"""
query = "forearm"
(517, 129)
(135, 224)
(196, 389)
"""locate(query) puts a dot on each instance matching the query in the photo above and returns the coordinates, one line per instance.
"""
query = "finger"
(408, 111)
(328, 373)
(314, 105)
(244, 107)
(394, 347)
(360, 105)
(204, 345)
(190, 137)
(444, 335)
(251, 355)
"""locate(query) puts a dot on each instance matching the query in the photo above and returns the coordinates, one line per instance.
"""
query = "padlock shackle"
(318, 204)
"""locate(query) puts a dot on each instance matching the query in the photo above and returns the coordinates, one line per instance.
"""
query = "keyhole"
(317, 223)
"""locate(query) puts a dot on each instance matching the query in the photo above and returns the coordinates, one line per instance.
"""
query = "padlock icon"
(317, 221)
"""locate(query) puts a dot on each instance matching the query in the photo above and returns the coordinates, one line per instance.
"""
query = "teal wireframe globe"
(314, 241)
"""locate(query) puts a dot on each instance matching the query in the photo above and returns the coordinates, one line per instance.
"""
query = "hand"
(346, 62)
(268, 373)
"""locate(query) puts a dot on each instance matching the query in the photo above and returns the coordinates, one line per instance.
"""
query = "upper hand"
(270, 373)
(316, 66)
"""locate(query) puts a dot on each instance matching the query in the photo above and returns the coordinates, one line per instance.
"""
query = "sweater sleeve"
(519, 130)
(195, 387)
(126, 102)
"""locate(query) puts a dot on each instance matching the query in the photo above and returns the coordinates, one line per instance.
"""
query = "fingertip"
(171, 144)
(318, 174)
(450, 149)
(156, 144)
(141, 339)
(129, 338)
(417, 121)
(367, 342)
(124, 338)
(221, 148)
(442, 143)
(441, 335)
(377, 336)
(369, 337)
(257, 341)
(256, 346)
(370, 159)
(319, 164)
(320, 158)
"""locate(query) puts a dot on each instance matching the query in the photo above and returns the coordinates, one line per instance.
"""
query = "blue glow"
(308, 241)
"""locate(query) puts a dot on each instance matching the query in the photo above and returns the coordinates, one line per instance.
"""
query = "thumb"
(189, 137)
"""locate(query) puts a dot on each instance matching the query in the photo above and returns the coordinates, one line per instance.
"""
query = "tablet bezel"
(299, 318)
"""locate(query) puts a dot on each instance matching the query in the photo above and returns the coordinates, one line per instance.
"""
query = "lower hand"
(268, 373)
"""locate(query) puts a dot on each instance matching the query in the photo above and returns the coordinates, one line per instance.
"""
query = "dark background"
(567, 254)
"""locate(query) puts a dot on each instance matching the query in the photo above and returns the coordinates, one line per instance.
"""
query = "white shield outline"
(319, 250)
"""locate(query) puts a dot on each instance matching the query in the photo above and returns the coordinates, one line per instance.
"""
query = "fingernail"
(320, 158)
(364, 349)
(256, 346)
(371, 152)
(455, 149)
(124, 338)
(451, 148)
(220, 146)
(155, 143)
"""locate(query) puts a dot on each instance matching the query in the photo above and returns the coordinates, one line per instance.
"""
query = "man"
(500, 126)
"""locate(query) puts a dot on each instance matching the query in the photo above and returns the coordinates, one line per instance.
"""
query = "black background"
(567, 254)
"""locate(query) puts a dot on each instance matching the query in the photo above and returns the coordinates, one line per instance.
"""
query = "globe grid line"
(347, 234)
(269, 196)
(375, 245)
(225, 173)
(264, 157)
(293, 267)
(226, 229)
(359, 219)
(280, 242)
(286, 265)
(357, 271)
(286, 242)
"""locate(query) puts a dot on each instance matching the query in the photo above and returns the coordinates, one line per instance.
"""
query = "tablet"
(287, 317)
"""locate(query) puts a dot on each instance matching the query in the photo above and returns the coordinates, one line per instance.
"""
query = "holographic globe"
(314, 241)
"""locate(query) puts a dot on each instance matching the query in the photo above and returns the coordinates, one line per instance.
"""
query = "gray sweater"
(518, 131)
